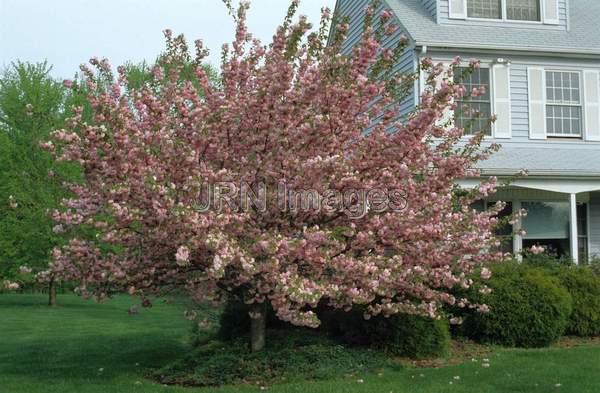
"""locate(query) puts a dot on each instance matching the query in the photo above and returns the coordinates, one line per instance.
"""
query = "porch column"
(517, 238)
(573, 225)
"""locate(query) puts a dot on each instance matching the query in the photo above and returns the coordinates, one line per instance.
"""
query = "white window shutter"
(501, 100)
(550, 12)
(458, 9)
(591, 89)
(448, 114)
(537, 102)
(423, 76)
(447, 119)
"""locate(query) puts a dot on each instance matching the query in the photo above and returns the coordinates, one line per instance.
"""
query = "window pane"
(563, 111)
(474, 117)
(523, 9)
(563, 87)
(490, 9)
(546, 220)
(473, 113)
(582, 219)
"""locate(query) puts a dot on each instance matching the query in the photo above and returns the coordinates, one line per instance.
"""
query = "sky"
(67, 33)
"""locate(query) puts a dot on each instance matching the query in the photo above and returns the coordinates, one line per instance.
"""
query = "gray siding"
(354, 10)
(562, 9)
(431, 7)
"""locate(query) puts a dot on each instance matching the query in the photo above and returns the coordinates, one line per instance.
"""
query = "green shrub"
(529, 308)
(402, 335)
(584, 287)
(292, 354)
(546, 261)
(594, 265)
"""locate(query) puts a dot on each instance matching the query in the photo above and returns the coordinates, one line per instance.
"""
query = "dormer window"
(488, 9)
(520, 10)
(523, 10)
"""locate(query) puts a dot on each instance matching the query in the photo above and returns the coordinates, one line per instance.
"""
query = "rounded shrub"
(584, 287)
(528, 308)
(403, 335)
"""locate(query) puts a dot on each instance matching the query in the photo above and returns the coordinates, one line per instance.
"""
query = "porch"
(563, 215)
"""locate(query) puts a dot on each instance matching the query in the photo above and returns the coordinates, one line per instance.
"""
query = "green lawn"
(82, 347)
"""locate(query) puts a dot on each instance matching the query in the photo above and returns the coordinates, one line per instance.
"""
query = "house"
(540, 63)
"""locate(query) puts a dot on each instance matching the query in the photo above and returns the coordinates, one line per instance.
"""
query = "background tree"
(295, 113)
(32, 104)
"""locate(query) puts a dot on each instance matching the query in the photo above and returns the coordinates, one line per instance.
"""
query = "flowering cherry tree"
(297, 112)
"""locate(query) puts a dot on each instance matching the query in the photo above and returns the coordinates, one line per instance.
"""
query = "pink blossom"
(183, 255)
(12, 203)
(12, 286)
(475, 63)
(537, 250)
(386, 15)
(190, 315)
(24, 270)
(486, 273)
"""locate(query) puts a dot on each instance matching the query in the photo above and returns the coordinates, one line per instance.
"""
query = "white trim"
(504, 134)
(574, 236)
(589, 106)
(541, 133)
(452, 15)
(561, 186)
(571, 53)
(571, 136)
(548, 21)
(517, 238)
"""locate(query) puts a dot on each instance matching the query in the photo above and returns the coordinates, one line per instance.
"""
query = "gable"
(580, 35)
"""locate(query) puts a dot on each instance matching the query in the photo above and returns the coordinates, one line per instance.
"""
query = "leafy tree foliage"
(31, 106)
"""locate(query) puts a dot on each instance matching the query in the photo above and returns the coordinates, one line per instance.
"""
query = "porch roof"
(544, 161)
(558, 185)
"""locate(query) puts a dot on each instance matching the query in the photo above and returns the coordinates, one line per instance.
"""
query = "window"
(547, 224)
(563, 104)
(474, 113)
(489, 9)
(523, 10)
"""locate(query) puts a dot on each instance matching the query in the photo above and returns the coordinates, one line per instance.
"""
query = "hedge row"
(533, 304)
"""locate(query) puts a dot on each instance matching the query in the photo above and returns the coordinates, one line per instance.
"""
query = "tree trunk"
(51, 293)
(258, 324)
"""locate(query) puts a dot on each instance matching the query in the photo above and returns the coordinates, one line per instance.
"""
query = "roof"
(583, 36)
(554, 161)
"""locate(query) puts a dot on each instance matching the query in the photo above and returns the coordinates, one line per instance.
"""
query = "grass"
(82, 347)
